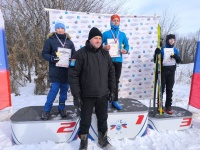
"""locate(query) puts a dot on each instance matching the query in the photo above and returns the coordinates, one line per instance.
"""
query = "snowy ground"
(165, 140)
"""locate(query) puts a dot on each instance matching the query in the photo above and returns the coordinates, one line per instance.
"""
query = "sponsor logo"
(84, 17)
(126, 89)
(125, 62)
(69, 17)
(133, 24)
(74, 27)
(149, 37)
(147, 69)
(71, 31)
(118, 125)
(147, 56)
(137, 66)
(147, 83)
(84, 21)
(145, 42)
(137, 92)
(138, 61)
(126, 76)
(137, 79)
(135, 38)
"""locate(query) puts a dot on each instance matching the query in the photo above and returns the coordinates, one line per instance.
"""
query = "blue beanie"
(59, 25)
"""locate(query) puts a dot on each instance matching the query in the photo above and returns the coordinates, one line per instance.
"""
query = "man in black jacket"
(91, 76)
(58, 75)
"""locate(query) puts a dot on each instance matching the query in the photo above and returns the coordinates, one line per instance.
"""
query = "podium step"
(28, 127)
(180, 119)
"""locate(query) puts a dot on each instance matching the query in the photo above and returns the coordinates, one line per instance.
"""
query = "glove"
(111, 96)
(174, 56)
(54, 59)
(78, 103)
(157, 51)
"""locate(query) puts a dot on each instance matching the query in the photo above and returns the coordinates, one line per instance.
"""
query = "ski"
(157, 92)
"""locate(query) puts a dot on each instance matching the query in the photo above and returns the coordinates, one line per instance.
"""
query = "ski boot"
(45, 115)
(103, 141)
(117, 105)
(62, 113)
(168, 110)
(84, 141)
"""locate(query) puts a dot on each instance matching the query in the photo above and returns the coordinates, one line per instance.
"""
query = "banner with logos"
(142, 32)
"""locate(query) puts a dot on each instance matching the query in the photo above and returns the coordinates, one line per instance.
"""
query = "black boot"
(103, 141)
(84, 141)
(45, 115)
(62, 113)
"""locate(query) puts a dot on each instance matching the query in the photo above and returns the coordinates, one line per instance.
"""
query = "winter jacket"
(122, 39)
(178, 60)
(93, 73)
(56, 74)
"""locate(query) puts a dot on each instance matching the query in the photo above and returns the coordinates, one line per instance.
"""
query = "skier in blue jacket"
(122, 43)
(169, 57)
(58, 75)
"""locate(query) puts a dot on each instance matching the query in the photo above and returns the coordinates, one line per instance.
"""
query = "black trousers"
(101, 106)
(167, 80)
(118, 69)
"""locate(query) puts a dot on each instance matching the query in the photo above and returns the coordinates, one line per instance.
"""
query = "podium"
(181, 119)
(28, 127)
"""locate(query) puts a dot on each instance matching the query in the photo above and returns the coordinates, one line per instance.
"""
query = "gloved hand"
(157, 51)
(54, 59)
(175, 56)
(78, 103)
(111, 96)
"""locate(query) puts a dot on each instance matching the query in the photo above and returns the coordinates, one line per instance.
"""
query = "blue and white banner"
(137, 73)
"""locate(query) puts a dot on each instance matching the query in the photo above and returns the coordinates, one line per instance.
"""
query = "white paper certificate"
(64, 54)
(114, 48)
(167, 60)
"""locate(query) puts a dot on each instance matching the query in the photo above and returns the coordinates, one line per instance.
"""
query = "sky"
(153, 140)
(187, 10)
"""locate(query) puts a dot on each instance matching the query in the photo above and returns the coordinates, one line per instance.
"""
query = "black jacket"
(56, 74)
(93, 74)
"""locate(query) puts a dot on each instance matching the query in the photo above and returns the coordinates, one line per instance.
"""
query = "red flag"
(5, 99)
(195, 86)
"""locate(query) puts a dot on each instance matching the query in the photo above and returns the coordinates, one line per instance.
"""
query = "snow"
(166, 140)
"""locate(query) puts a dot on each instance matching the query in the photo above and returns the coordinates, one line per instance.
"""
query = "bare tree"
(27, 25)
(186, 46)
(169, 23)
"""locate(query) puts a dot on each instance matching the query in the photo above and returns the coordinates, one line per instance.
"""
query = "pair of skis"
(157, 86)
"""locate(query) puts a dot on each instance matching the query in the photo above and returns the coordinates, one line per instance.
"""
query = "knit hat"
(114, 16)
(59, 25)
(94, 32)
(170, 36)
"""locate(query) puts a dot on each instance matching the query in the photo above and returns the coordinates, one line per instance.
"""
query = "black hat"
(94, 32)
(170, 36)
